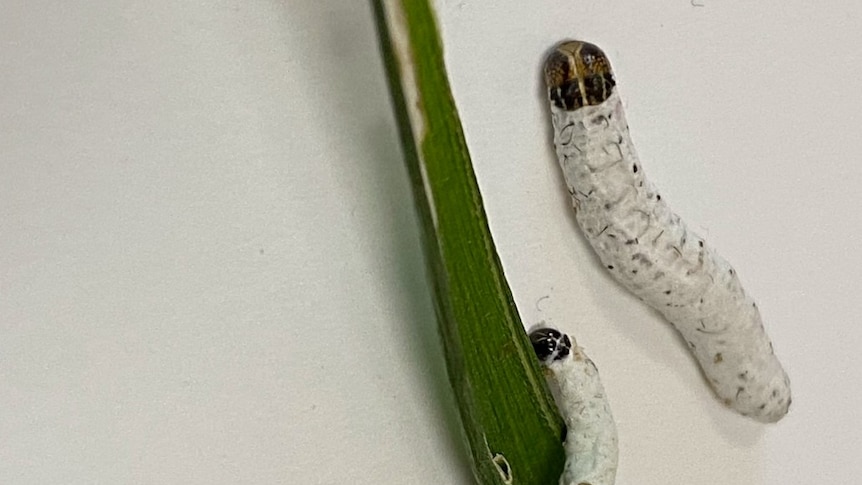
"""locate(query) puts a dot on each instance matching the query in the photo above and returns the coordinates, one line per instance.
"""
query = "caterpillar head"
(578, 74)
(550, 344)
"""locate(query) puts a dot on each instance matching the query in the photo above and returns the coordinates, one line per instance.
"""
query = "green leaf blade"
(503, 401)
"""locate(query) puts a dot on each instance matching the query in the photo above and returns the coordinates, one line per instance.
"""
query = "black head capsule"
(578, 74)
(550, 344)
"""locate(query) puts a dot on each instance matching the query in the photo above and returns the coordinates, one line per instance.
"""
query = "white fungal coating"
(591, 444)
(648, 248)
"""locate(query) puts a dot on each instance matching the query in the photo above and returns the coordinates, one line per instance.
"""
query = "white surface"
(209, 263)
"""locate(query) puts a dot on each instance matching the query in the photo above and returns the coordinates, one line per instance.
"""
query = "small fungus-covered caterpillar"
(647, 247)
(591, 444)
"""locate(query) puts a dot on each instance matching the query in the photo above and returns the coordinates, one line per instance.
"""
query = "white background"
(209, 261)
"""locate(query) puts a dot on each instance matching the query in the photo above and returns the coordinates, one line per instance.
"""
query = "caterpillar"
(646, 247)
(591, 442)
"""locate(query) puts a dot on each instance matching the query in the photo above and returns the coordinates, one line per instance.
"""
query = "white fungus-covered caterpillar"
(647, 247)
(591, 444)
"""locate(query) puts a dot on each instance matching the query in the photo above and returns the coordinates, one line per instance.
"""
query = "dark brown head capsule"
(550, 344)
(578, 74)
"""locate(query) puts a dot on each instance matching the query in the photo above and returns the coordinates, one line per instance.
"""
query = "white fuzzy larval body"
(592, 451)
(651, 251)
